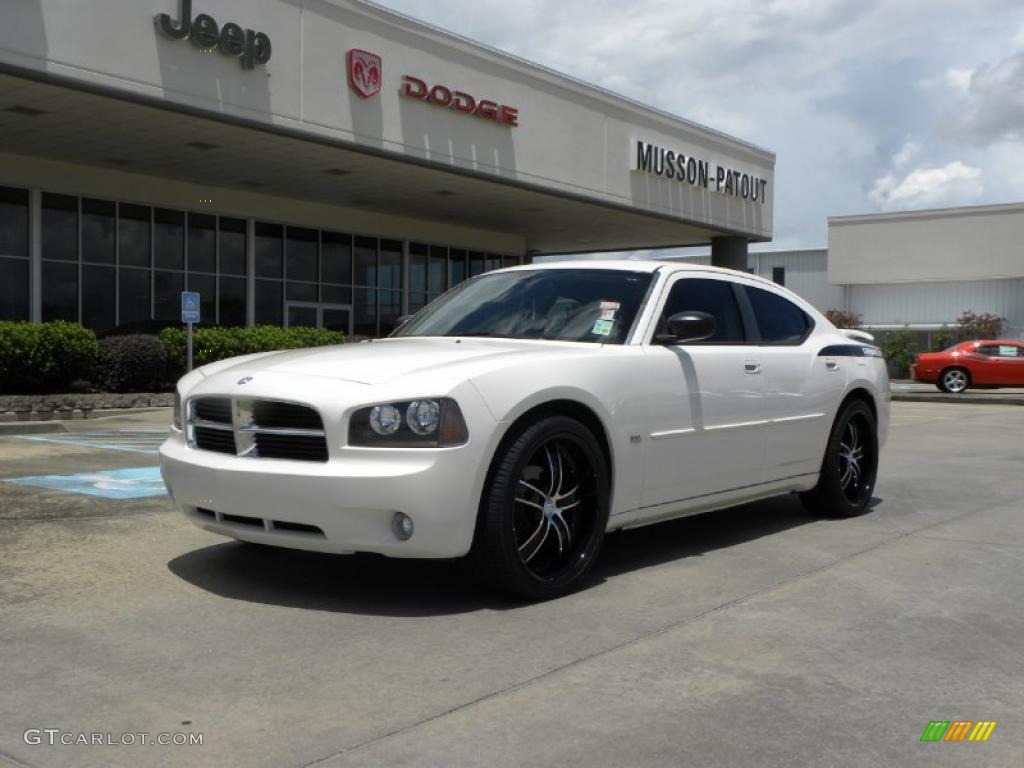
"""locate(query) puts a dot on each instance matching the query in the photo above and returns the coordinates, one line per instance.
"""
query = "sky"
(869, 106)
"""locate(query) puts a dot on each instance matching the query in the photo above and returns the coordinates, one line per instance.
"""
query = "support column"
(35, 251)
(729, 252)
(250, 272)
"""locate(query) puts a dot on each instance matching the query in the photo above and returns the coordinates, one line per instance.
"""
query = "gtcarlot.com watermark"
(55, 736)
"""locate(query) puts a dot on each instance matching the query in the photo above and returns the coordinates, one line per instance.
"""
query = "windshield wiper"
(484, 334)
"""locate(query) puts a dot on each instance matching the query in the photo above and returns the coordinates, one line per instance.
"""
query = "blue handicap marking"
(189, 307)
(111, 484)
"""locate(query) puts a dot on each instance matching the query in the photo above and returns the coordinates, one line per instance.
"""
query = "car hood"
(383, 360)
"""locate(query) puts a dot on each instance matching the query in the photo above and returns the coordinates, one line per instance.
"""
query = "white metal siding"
(935, 303)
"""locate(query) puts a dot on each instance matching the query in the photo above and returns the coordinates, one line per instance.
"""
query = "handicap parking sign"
(189, 307)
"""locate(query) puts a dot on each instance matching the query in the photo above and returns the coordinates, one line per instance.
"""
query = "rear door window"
(779, 320)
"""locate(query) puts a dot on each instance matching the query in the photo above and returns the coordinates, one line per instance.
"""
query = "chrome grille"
(250, 427)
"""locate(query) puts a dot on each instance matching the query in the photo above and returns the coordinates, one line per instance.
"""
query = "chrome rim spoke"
(547, 529)
(529, 503)
(533, 488)
(551, 470)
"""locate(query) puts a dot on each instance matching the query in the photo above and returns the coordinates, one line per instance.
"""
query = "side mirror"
(687, 326)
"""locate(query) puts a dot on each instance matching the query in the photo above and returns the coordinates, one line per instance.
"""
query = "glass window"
(232, 246)
(133, 235)
(98, 298)
(98, 227)
(418, 255)
(390, 310)
(438, 270)
(133, 292)
(167, 288)
(566, 304)
(493, 262)
(60, 227)
(168, 239)
(13, 222)
(779, 320)
(269, 302)
(232, 301)
(365, 310)
(301, 254)
(417, 301)
(14, 289)
(391, 264)
(1008, 350)
(206, 287)
(693, 294)
(202, 242)
(456, 266)
(269, 261)
(335, 294)
(987, 349)
(476, 263)
(365, 252)
(60, 291)
(779, 275)
(336, 258)
(300, 291)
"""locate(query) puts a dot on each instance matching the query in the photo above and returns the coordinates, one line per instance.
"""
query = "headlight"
(177, 410)
(423, 423)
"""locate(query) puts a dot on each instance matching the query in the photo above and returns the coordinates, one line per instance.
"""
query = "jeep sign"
(250, 47)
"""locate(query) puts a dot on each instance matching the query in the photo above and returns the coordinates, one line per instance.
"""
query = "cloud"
(907, 152)
(993, 107)
(959, 79)
(952, 184)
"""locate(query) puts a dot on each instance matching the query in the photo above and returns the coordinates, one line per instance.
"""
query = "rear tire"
(954, 380)
(850, 465)
(544, 511)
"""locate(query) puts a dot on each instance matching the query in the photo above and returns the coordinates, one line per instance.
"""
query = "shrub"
(212, 344)
(843, 318)
(136, 363)
(899, 349)
(37, 358)
(943, 339)
(978, 326)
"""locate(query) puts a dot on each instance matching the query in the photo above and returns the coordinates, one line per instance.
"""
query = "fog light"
(401, 524)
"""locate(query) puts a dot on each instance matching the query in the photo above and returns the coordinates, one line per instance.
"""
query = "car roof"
(637, 265)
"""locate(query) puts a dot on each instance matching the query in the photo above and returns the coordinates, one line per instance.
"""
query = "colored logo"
(364, 70)
(958, 730)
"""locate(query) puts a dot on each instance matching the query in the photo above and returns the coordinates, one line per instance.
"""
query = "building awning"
(86, 124)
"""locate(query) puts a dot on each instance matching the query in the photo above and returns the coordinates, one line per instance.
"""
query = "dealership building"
(916, 270)
(325, 163)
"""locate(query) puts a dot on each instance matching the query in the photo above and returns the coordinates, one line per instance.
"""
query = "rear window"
(779, 320)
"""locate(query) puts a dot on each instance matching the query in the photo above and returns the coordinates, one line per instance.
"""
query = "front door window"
(333, 317)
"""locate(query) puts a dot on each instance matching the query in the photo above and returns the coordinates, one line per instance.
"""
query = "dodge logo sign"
(364, 72)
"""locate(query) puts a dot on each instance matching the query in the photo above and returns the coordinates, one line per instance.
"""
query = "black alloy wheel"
(543, 515)
(850, 465)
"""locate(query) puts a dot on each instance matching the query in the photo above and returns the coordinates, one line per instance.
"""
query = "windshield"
(595, 305)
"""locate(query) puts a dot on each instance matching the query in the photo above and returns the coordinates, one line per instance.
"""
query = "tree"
(978, 326)
(843, 318)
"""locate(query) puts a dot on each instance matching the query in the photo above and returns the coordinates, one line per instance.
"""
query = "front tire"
(850, 465)
(544, 511)
(954, 380)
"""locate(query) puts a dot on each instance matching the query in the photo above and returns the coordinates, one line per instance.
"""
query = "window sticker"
(607, 314)
(609, 305)
(602, 327)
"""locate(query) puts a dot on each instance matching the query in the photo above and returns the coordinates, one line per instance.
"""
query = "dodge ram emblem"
(364, 70)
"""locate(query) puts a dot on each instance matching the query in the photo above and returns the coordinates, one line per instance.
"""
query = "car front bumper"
(343, 505)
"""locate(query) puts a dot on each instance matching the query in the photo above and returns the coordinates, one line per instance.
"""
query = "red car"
(982, 364)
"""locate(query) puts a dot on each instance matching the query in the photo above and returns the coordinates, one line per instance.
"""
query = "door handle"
(831, 364)
(751, 366)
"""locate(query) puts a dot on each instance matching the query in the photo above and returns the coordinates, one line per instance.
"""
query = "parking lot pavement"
(750, 636)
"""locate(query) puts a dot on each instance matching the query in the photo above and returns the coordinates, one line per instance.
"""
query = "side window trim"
(751, 329)
(744, 326)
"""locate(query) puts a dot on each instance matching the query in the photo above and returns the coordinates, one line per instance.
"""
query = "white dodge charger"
(531, 410)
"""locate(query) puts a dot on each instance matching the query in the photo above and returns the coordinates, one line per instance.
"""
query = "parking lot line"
(130, 440)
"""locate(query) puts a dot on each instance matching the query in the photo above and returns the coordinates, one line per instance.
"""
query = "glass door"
(307, 314)
(301, 314)
(336, 317)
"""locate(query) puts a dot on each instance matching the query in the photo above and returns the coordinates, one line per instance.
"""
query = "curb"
(938, 397)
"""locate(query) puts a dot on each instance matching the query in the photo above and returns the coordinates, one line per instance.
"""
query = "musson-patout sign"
(687, 169)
